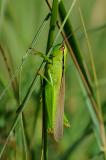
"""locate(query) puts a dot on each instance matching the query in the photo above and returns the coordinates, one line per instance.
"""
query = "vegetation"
(29, 27)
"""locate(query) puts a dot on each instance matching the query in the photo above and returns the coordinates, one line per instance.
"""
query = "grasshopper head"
(59, 49)
(62, 47)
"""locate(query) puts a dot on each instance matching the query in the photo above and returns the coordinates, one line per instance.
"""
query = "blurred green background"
(19, 21)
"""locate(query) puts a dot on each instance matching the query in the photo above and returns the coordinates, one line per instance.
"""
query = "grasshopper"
(54, 90)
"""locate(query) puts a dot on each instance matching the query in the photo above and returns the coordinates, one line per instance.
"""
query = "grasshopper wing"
(59, 115)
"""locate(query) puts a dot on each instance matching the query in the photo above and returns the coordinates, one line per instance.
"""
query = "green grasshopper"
(54, 90)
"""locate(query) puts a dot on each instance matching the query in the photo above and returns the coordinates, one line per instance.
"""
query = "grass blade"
(49, 45)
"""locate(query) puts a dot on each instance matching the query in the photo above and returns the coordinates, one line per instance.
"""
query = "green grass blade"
(2, 12)
(49, 45)
(72, 40)
(91, 58)
(65, 19)
(52, 25)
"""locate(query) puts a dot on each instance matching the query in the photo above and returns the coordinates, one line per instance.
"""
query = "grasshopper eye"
(62, 48)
